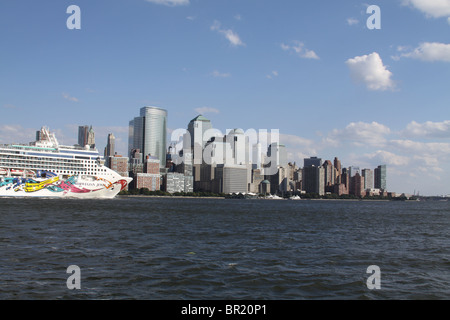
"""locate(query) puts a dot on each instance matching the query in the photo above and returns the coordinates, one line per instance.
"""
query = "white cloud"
(388, 158)
(16, 134)
(217, 74)
(360, 134)
(370, 70)
(437, 149)
(205, 110)
(428, 129)
(297, 147)
(429, 51)
(68, 97)
(272, 75)
(431, 8)
(170, 3)
(285, 47)
(229, 34)
(299, 49)
(352, 21)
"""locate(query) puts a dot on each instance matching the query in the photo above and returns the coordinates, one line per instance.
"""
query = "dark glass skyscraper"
(380, 177)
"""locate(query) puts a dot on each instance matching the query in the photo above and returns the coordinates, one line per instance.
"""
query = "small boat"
(273, 197)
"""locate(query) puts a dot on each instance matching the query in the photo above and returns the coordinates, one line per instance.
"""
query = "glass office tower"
(148, 133)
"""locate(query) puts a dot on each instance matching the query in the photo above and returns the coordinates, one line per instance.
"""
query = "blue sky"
(312, 69)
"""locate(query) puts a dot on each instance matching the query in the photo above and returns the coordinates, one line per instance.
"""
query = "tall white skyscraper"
(368, 178)
(148, 132)
(198, 128)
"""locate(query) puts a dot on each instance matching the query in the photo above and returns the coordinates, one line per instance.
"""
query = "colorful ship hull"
(46, 169)
(72, 187)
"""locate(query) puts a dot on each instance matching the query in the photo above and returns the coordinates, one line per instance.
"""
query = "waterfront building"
(340, 189)
(380, 177)
(277, 152)
(298, 180)
(148, 132)
(352, 171)
(86, 136)
(204, 180)
(368, 179)
(150, 178)
(200, 131)
(257, 156)
(119, 164)
(231, 178)
(329, 173)
(178, 177)
(337, 170)
(279, 182)
(357, 185)
(265, 187)
(221, 155)
(177, 182)
(239, 143)
(174, 182)
(257, 177)
(345, 179)
(313, 179)
(109, 149)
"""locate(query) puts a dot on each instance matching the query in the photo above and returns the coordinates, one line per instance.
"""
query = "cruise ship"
(46, 169)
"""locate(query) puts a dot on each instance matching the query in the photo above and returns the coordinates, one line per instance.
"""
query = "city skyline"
(313, 70)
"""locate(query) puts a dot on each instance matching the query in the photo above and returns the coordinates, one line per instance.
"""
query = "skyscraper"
(197, 128)
(109, 149)
(313, 179)
(277, 152)
(337, 170)
(380, 177)
(328, 173)
(368, 178)
(357, 185)
(86, 136)
(148, 132)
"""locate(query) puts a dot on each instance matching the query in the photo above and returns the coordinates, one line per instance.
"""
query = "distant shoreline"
(168, 197)
(213, 197)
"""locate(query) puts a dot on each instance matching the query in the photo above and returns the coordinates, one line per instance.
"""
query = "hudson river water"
(201, 249)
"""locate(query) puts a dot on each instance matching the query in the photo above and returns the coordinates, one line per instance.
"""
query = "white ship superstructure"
(46, 169)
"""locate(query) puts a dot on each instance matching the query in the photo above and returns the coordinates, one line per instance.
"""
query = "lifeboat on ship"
(15, 172)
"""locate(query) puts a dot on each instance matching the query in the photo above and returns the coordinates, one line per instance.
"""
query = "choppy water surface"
(160, 248)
